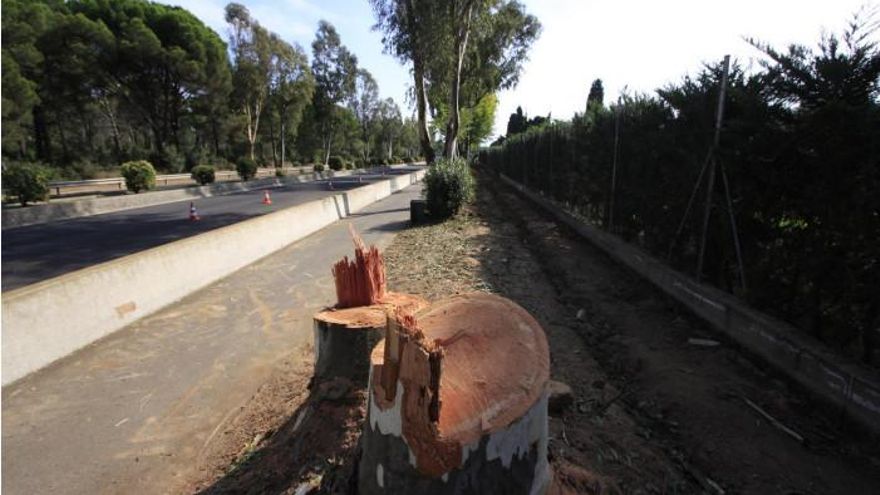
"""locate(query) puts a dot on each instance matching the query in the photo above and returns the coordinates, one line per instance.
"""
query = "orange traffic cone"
(266, 199)
(193, 214)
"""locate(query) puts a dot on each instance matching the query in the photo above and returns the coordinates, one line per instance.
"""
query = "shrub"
(449, 185)
(246, 168)
(203, 174)
(408, 159)
(335, 162)
(395, 160)
(279, 172)
(360, 163)
(319, 167)
(27, 181)
(139, 175)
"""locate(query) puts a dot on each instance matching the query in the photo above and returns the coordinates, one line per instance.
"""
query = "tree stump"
(457, 401)
(345, 337)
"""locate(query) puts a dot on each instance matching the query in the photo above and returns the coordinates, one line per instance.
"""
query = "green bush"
(360, 163)
(203, 174)
(27, 181)
(279, 172)
(246, 168)
(319, 167)
(335, 162)
(139, 175)
(408, 159)
(449, 185)
(395, 160)
(349, 166)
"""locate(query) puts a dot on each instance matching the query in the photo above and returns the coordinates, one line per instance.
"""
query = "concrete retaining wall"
(51, 319)
(855, 388)
(50, 212)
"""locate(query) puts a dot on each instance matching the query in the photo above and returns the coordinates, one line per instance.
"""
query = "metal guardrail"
(161, 180)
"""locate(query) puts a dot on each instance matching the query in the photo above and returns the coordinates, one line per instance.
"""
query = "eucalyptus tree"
(412, 34)
(463, 49)
(365, 104)
(335, 72)
(291, 86)
(389, 124)
(251, 47)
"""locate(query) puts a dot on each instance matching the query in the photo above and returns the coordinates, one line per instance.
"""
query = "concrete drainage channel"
(48, 320)
(848, 385)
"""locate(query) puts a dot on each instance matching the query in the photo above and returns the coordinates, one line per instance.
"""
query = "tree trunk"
(344, 338)
(457, 402)
(421, 111)
(450, 148)
(42, 139)
(283, 149)
(421, 96)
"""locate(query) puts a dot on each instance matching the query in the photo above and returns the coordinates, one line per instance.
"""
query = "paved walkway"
(133, 412)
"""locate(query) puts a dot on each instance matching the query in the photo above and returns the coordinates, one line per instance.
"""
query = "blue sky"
(639, 44)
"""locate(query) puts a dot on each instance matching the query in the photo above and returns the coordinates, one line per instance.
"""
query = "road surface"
(38, 252)
(133, 412)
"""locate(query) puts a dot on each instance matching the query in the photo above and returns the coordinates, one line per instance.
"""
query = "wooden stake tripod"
(711, 164)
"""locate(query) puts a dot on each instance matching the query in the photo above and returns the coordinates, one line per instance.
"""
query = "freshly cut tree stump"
(457, 401)
(345, 337)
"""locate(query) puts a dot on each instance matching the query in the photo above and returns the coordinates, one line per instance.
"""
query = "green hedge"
(804, 181)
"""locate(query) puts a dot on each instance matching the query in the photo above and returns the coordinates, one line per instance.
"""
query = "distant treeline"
(89, 84)
(800, 145)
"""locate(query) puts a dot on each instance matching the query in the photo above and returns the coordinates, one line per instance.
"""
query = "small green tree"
(246, 168)
(139, 175)
(449, 185)
(27, 181)
(203, 174)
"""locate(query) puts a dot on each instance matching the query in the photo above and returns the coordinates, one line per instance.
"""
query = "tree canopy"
(90, 84)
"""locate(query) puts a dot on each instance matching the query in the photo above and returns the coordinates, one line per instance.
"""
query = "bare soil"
(652, 412)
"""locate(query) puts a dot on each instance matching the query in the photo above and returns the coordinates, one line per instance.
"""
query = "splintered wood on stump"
(360, 281)
(345, 337)
(457, 401)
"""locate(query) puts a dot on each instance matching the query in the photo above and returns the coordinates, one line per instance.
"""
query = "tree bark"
(421, 96)
(463, 29)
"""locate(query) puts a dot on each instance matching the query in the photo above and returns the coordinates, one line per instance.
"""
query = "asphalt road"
(137, 411)
(38, 252)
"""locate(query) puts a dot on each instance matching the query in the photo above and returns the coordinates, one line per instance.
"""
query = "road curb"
(844, 383)
(46, 321)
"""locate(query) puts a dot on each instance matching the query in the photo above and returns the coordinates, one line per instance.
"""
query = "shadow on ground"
(315, 447)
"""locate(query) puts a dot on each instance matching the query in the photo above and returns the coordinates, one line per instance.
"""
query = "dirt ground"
(653, 412)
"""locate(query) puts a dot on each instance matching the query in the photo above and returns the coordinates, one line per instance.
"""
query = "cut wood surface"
(345, 337)
(458, 401)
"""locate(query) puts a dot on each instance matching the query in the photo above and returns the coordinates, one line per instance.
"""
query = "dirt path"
(652, 413)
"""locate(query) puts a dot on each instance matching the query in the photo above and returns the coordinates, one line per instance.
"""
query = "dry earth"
(652, 413)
